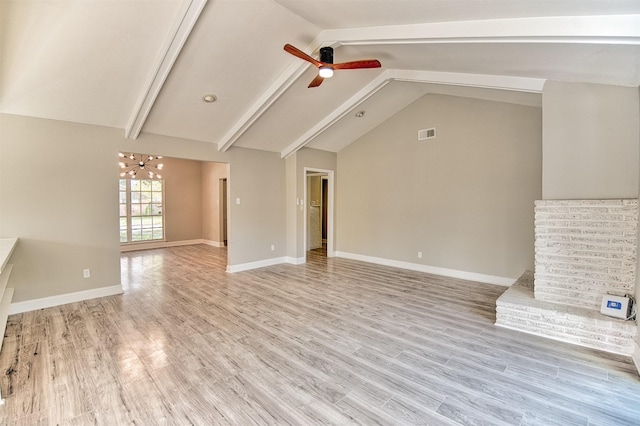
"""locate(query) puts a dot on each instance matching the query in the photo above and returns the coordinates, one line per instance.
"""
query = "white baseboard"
(266, 262)
(464, 275)
(63, 299)
(257, 264)
(165, 244)
(213, 243)
(636, 355)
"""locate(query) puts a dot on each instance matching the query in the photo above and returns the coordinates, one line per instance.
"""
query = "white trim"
(63, 299)
(296, 260)
(636, 355)
(464, 275)
(5, 308)
(330, 209)
(165, 244)
(498, 82)
(362, 95)
(601, 29)
(213, 243)
(257, 264)
(177, 37)
(605, 29)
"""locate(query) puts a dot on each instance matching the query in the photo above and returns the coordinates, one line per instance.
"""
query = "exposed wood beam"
(178, 35)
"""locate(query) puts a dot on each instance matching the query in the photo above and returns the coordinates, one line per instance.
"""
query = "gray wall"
(211, 199)
(637, 353)
(591, 145)
(296, 179)
(590, 141)
(183, 199)
(464, 199)
(59, 194)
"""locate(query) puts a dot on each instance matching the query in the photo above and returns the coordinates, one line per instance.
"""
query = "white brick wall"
(585, 249)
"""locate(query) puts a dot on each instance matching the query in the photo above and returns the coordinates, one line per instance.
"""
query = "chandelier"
(132, 164)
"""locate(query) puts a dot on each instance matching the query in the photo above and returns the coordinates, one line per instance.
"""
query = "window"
(141, 217)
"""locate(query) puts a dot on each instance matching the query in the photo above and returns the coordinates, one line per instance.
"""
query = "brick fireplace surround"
(584, 249)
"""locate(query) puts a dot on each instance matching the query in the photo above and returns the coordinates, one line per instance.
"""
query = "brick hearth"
(584, 249)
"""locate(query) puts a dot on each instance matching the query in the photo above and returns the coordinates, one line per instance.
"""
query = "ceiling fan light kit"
(325, 65)
(325, 72)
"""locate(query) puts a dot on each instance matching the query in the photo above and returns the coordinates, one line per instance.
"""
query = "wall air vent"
(425, 134)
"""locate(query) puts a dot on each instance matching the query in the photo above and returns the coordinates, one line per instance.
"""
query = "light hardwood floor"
(330, 342)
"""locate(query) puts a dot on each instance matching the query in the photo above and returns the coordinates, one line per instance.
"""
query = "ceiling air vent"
(425, 134)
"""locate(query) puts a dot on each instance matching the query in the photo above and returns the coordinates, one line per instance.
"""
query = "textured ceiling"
(144, 66)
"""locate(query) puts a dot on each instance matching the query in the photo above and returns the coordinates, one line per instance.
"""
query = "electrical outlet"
(273, 247)
(86, 273)
(419, 255)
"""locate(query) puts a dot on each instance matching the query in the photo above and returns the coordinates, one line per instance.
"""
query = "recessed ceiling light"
(209, 98)
(360, 114)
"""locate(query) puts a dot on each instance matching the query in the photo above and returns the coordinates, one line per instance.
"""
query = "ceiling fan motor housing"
(326, 55)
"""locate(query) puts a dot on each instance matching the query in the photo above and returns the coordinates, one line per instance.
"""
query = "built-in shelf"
(7, 245)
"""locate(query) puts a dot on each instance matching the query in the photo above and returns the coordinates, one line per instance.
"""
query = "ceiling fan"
(326, 66)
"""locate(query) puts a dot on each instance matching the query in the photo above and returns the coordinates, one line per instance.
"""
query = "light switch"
(238, 200)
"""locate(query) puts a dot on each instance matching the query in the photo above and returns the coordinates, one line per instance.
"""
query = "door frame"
(330, 208)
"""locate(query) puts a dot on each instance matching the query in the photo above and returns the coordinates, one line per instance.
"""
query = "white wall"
(465, 199)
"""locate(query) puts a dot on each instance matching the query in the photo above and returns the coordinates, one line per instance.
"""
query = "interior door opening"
(318, 213)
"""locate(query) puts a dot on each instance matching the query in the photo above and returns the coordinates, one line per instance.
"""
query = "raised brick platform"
(519, 310)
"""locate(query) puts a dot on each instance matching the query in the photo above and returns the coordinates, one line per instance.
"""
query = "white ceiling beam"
(176, 39)
(286, 79)
(272, 94)
(500, 82)
(520, 84)
(609, 29)
(362, 95)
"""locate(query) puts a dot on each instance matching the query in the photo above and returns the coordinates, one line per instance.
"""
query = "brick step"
(518, 309)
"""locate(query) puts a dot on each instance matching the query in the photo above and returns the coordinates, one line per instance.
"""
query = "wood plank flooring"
(334, 341)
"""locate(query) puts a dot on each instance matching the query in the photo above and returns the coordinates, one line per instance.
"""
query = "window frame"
(129, 217)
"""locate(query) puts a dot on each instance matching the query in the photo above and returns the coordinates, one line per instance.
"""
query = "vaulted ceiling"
(144, 66)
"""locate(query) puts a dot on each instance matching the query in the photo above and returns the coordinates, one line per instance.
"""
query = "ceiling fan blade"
(365, 63)
(316, 81)
(300, 54)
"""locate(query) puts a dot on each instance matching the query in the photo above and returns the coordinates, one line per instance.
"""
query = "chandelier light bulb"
(140, 162)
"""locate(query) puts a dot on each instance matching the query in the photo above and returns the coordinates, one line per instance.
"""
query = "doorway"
(318, 217)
